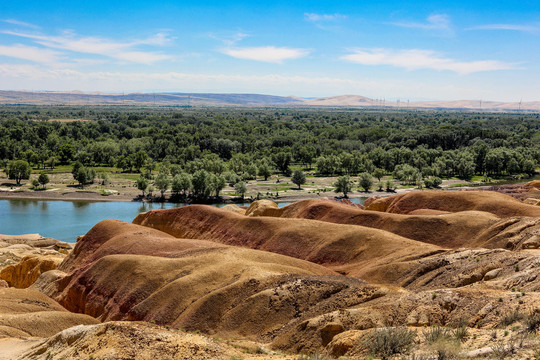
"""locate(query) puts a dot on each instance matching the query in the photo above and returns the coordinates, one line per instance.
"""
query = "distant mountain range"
(258, 100)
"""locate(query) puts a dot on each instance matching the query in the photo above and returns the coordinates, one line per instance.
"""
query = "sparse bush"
(461, 333)
(315, 356)
(511, 318)
(418, 357)
(386, 342)
(446, 349)
(532, 321)
(503, 350)
(436, 333)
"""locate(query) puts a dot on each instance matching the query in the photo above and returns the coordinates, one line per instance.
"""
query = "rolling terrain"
(256, 100)
(316, 276)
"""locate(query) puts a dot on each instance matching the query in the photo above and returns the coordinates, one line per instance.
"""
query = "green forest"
(242, 143)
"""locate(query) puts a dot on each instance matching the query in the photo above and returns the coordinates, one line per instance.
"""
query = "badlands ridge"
(316, 276)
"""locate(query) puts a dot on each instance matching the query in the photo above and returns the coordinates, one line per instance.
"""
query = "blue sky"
(445, 50)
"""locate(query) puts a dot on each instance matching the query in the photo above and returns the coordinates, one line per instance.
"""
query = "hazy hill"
(210, 99)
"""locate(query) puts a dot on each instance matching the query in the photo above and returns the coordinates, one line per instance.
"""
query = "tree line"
(240, 144)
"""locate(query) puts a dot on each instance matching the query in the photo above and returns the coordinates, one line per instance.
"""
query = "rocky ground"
(421, 275)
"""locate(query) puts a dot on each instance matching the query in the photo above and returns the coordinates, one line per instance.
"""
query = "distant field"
(67, 120)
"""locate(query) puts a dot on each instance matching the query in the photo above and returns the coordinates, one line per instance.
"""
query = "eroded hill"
(315, 276)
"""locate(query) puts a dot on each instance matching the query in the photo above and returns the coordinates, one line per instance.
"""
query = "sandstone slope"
(498, 204)
(128, 272)
(353, 250)
(292, 304)
(28, 313)
(126, 341)
(451, 230)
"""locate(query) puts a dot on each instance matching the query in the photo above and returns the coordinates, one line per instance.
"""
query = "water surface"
(65, 220)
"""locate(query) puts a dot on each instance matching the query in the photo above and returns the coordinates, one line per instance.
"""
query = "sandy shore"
(93, 196)
(81, 195)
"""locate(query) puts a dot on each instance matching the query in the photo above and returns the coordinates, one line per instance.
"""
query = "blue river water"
(65, 220)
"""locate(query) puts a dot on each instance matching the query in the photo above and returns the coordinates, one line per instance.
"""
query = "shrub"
(315, 356)
(461, 333)
(532, 321)
(390, 186)
(511, 318)
(435, 333)
(389, 341)
(446, 349)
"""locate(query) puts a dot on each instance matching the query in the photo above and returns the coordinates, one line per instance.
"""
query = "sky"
(421, 50)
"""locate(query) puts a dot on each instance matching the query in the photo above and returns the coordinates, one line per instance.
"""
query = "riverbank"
(82, 195)
(65, 196)
(93, 196)
(126, 193)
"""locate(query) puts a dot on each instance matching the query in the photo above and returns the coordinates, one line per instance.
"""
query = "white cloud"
(270, 54)
(323, 17)
(31, 53)
(510, 27)
(20, 23)
(433, 22)
(17, 76)
(99, 46)
(415, 59)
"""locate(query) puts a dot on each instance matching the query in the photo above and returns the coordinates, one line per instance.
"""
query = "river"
(65, 220)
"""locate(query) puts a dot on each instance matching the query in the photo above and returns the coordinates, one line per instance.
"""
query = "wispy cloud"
(439, 22)
(510, 27)
(32, 76)
(323, 17)
(124, 51)
(328, 22)
(269, 54)
(20, 23)
(229, 39)
(415, 59)
(31, 53)
(23, 76)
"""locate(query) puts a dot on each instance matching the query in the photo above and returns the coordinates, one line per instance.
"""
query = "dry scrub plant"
(386, 342)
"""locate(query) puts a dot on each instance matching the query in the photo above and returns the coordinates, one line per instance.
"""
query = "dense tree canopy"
(412, 145)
